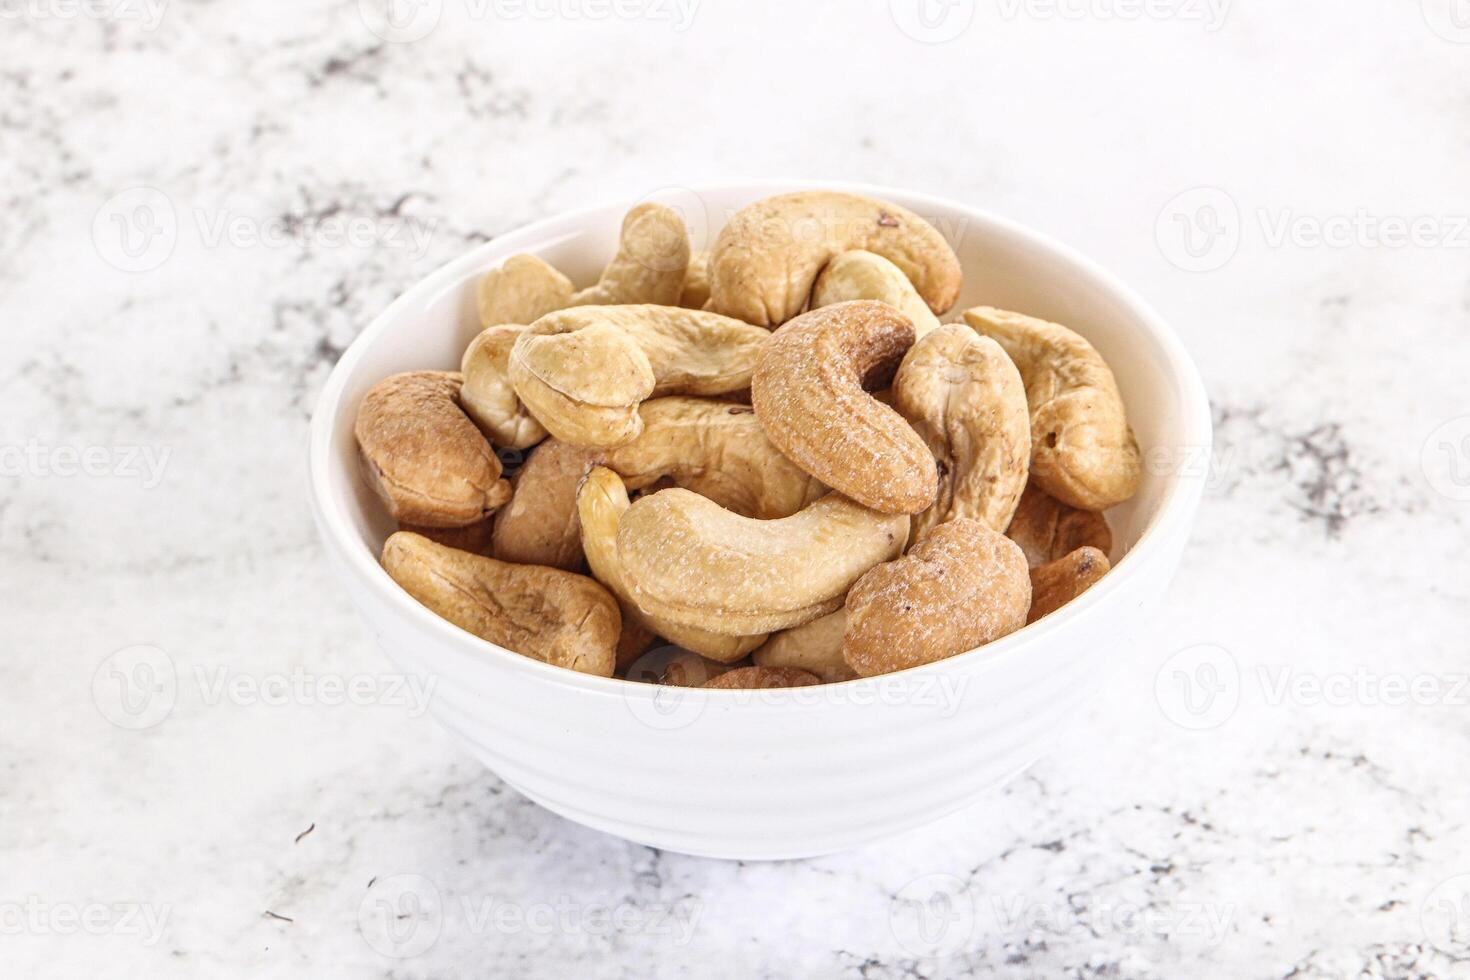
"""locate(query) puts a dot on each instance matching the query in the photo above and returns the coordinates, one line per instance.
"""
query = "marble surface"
(202, 772)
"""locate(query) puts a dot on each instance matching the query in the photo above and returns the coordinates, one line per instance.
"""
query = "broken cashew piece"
(583, 372)
(1057, 583)
(815, 647)
(961, 586)
(718, 450)
(539, 526)
(696, 282)
(546, 614)
(652, 260)
(488, 396)
(1082, 450)
(1047, 529)
(423, 456)
(602, 501)
(808, 392)
(687, 560)
(767, 257)
(965, 398)
(687, 669)
(867, 275)
(520, 290)
(762, 678)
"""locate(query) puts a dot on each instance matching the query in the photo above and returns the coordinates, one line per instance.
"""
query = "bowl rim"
(335, 524)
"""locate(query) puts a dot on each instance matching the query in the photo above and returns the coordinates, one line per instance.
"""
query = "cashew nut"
(696, 282)
(686, 669)
(474, 538)
(602, 501)
(1047, 529)
(1082, 450)
(652, 258)
(423, 456)
(963, 395)
(961, 586)
(539, 525)
(814, 647)
(762, 678)
(583, 372)
(521, 290)
(808, 392)
(718, 450)
(543, 613)
(1057, 583)
(867, 275)
(689, 561)
(488, 397)
(769, 254)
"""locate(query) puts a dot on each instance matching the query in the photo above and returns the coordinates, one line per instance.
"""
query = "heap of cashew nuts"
(773, 456)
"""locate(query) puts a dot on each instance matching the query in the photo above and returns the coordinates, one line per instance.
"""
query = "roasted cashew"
(686, 669)
(1082, 450)
(867, 275)
(762, 678)
(474, 538)
(808, 392)
(696, 282)
(602, 501)
(423, 456)
(543, 613)
(718, 450)
(766, 258)
(583, 372)
(1047, 529)
(653, 256)
(689, 561)
(539, 525)
(488, 397)
(1057, 583)
(814, 647)
(961, 586)
(522, 289)
(965, 398)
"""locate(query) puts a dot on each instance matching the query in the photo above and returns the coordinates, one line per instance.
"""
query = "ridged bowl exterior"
(776, 774)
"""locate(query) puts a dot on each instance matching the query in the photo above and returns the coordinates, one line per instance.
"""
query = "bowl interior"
(1004, 265)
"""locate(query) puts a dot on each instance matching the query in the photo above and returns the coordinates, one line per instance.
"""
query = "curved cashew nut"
(1047, 529)
(808, 392)
(1057, 583)
(963, 395)
(522, 289)
(423, 456)
(487, 395)
(815, 647)
(689, 561)
(539, 525)
(766, 258)
(762, 678)
(718, 450)
(867, 275)
(696, 282)
(1082, 450)
(546, 614)
(602, 501)
(584, 371)
(652, 259)
(961, 586)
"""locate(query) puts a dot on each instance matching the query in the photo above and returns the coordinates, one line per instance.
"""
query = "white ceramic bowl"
(779, 774)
